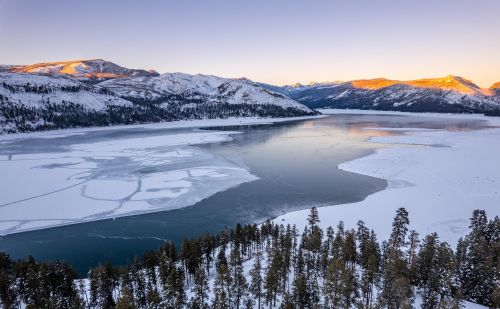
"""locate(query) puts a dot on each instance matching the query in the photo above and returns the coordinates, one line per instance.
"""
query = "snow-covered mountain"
(62, 97)
(199, 88)
(447, 94)
(95, 69)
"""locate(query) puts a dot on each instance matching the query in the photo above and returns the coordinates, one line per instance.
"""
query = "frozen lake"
(118, 192)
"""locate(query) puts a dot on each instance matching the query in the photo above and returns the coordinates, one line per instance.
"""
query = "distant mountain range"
(451, 94)
(100, 93)
(96, 92)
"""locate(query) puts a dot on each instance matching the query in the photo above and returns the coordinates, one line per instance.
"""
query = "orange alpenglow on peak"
(93, 68)
(374, 84)
(450, 82)
(495, 86)
(63, 67)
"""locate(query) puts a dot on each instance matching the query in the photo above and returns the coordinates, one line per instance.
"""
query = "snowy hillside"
(37, 91)
(209, 88)
(30, 102)
(447, 94)
(48, 100)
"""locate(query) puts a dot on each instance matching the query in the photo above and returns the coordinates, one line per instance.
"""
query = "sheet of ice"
(99, 179)
(119, 177)
(440, 185)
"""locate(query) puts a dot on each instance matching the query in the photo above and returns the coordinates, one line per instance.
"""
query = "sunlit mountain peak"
(92, 68)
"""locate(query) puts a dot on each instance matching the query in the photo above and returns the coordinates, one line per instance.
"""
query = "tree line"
(46, 89)
(275, 266)
(493, 112)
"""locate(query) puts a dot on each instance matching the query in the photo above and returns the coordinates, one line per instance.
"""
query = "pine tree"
(239, 285)
(249, 303)
(126, 299)
(153, 299)
(256, 285)
(8, 293)
(200, 289)
(446, 266)
(340, 286)
(313, 234)
(222, 297)
(332, 286)
(103, 282)
(370, 263)
(399, 229)
(311, 249)
(427, 278)
(207, 244)
(139, 282)
(174, 294)
(301, 296)
(338, 242)
(286, 251)
(349, 249)
(326, 250)
(397, 291)
(363, 237)
(312, 278)
(350, 287)
(313, 218)
(287, 302)
(479, 263)
(413, 243)
(272, 277)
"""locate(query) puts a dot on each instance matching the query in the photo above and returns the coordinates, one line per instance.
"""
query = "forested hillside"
(36, 102)
(276, 266)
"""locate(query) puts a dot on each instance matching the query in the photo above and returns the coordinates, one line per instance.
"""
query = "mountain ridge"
(96, 92)
(64, 97)
(211, 88)
(450, 93)
(449, 82)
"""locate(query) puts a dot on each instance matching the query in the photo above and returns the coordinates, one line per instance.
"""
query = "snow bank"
(440, 177)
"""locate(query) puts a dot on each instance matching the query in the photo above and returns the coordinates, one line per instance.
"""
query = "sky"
(274, 41)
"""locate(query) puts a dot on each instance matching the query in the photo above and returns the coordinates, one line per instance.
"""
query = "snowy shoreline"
(439, 186)
(180, 124)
